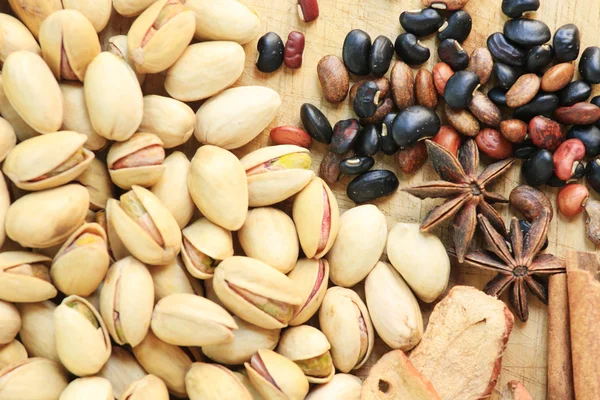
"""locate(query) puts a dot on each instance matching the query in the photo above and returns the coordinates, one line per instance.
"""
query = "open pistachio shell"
(48, 161)
(90, 388)
(136, 161)
(4, 205)
(121, 370)
(343, 311)
(145, 226)
(158, 37)
(47, 218)
(341, 387)
(15, 36)
(10, 322)
(22, 130)
(82, 341)
(276, 377)
(24, 277)
(33, 91)
(204, 245)
(49, 379)
(12, 353)
(173, 278)
(97, 181)
(126, 301)
(256, 292)
(217, 184)
(34, 12)
(171, 120)
(149, 387)
(76, 116)
(130, 8)
(276, 173)
(97, 11)
(113, 96)
(116, 248)
(69, 43)
(248, 339)
(311, 277)
(8, 138)
(37, 329)
(117, 45)
(213, 382)
(316, 216)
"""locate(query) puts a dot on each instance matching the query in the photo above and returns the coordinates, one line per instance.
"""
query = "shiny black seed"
(270, 52)
(356, 52)
(316, 123)
(372, 185)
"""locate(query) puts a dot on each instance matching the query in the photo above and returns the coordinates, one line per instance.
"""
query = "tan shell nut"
(10, 322)
(24, 277)
(76, 116)
(126, 301)
(97, 11)
(16, 380)
(8, 138)
(15, 36)
(204, 245)
(117, 45)
(97, 181)
(33, 12)
(169, 119)
(121, 369)
(214, 382)
(82, 341)
(12, 353)
(37, 329)
(69, 43)
(22, 130)
(341, 387)
(173, 278)
(343, 311)
(149, 387)
(90, 388)
(311, 277)
(276, 173)
(4, 205)
(130, 8)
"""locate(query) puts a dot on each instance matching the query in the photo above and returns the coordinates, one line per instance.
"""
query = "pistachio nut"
(235, 116)
(311, 277)
(113, 96)
(276, 377)
(10, 322)
(343, 311)
(136, 161)
(421, 259)
(276, 173)
(121, 370)
(8, 138)
(48, 377)
(37, 329)
(126, 301)
(97, 11)
(116, 248)
(360, 242)
(394, 310)
(47, 161)
(214, 382)
(243, 378)
(12, 353)
(171, 120)
(341, 387)
(24, 277)
(309, 349)
(269, 235)
(69, 43)
(172, 188)
(145, 226)
(90, 388)
(117, 45)
(149, 387)
(4, 205)
(47, 218)
(248, 339)
(173, 278)
(316, 216)
(33, 91)
(130, 8)
(217, 184)
(205, 69)
(224, 20)
(15, 36)
(82, 341)
(33, 12)
(256, 292)
(97, 181)
(158, 37)
(22, 130)
(204, 245)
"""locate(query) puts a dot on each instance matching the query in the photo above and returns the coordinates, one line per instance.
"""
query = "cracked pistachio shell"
(158, 37)
(172, 188)
(360, 241)
(214, 382)
(12, 353)
(204, 69)
(121, 370)
(311, 277)
(269, 235)
(261, 281)
(305, 342)
(209, 241)
(136, 161)
(173, 278)
(47, 161)
(248, 339)
(76, 116)
(8, 138)
(97, 11)
(97, 181)
(343, 311)
(33, 91)
(47, 218)
(10, 322)
(126, 301)
(117, 45)
(171, 120)
(32, 379)
(24, 277)
(113, 96)
(235, 116)
(316, 216)
(138, 240)
(15, 36)
(37, 329)
(394, 310)
(82, 341)
(224, 20)
(421, 259)
(276, 173)
(22, 130)
(130, 8)
(189, 320)
(341, 387)
(217, 184)
(116, 248)
(149, 387)
(289, 380)
(4, 205)
(34, 12)
(90, 388)
(69, 43)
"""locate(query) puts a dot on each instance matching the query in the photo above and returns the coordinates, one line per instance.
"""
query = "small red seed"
(291, 135)
(492, 143)
(308, 10)
(572, 199)
(565, 157)
(293, 51)
(448, 138)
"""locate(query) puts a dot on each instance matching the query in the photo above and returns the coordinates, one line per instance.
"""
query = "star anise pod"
(519, 264)
(465, 190)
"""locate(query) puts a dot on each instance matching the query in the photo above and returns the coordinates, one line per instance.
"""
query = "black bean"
(566, 43)
(589, 136)
(316, 123)
(506, 76)
(596, 101)
(356, 52)
(525, 150)
(367, 143)
(366, 99)
(592, 174)
(421, 22)
(387, 143)
(497, 96)
(542, 104)
(345, 133)
(457, 26)
(526, 227)
(556, 182)
(589, 65)
(413, 124)
(372, 185)
(574, 92)
(504, 51)
(516, 8)
(459, 89)
(410, 50)
(381, 55)
(539, 58)
(538, 169)
(526, 32)
(356, 165)
(453, 54)
(270, 52)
